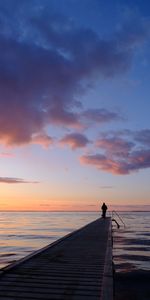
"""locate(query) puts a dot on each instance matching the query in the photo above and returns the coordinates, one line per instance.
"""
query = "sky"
(74, 104)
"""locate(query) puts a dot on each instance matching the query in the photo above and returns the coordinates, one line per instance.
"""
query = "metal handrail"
(118, 217)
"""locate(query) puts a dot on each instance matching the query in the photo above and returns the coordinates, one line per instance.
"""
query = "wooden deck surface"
(76, 267)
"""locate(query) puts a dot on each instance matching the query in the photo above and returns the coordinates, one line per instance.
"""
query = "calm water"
(131, 247)
(23, 232)
(131, 252)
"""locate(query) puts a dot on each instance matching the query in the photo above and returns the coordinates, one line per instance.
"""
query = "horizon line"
(72, 211)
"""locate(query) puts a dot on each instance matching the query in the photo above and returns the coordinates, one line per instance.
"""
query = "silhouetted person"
(104, 208)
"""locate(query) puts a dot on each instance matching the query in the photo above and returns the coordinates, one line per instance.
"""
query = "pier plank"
(74, 268)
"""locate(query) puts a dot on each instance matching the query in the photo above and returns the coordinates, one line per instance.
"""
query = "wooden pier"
(76, 267)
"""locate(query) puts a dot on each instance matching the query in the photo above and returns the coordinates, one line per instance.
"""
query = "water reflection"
(24, 232)
(132, 244)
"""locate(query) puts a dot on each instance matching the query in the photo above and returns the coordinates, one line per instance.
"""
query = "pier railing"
(121, 220)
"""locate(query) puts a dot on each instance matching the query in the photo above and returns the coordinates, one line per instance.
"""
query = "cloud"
(6, 154)
(138, 160)
(101, 162)
(15, 180)
(133, 33)
(59, 116)
(143, 136)
(100, 115)
(120, 155)
(115, 145)
(46, 65)
(75, 140)
(43, 139)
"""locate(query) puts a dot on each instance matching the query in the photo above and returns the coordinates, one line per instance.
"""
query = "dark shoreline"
(133, 285)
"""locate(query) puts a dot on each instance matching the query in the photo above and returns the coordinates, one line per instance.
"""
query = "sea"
(131, 255)
(24, 232)
(131, 242)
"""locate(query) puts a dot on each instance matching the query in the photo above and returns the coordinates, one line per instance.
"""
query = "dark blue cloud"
(143, 137)
(100, 115)
(46, 64)
(75, 140)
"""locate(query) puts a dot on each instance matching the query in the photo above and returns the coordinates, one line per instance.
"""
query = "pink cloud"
(6, 154)
(115, 145)
(125, 165)
(121, 152)
(74, 140)
(43, 139)
(101, 162)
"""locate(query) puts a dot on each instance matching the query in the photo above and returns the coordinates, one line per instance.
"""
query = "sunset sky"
(74, 104)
